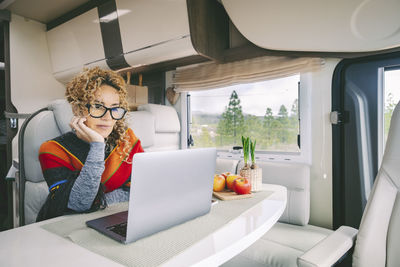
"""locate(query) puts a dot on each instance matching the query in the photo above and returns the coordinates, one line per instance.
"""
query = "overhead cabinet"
(151, 31)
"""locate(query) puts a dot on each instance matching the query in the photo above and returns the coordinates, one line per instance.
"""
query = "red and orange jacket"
(62, 159)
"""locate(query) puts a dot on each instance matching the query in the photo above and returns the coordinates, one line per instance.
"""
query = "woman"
(90, 167)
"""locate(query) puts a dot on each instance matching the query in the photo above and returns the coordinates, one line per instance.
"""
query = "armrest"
(329, 250)
(11, 174)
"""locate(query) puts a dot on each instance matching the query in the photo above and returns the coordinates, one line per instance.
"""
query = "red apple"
(219, 183)
(242, 186)
(230, 179)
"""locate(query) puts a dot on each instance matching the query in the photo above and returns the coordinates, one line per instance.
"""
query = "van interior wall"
(321, 209)
(33, 85)
(168, 83)
(178, 106)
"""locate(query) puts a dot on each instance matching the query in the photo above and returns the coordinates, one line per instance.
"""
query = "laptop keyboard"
(119, 229)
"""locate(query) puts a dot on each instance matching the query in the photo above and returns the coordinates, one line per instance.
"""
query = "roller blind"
(212, 75)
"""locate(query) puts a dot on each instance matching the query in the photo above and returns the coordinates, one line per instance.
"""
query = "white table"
(33, 246)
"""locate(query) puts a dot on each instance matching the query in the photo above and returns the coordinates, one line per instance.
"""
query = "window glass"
(265, 111)
(392, 96)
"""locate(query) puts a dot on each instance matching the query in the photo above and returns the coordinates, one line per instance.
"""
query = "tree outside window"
(259, 115)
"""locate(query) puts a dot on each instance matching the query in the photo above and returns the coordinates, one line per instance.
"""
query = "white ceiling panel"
(315, 25)
(44, 11)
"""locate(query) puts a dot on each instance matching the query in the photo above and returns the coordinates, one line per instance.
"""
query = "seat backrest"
(378, 242)
(143, 125)
(226, 165)
(41, 126)
(296, 178)
(166, 125)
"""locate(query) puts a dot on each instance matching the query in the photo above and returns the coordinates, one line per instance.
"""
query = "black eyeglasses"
(99, 110)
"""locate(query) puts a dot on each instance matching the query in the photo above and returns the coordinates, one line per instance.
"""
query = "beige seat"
(378, 242)
(292, 236)
(42, 125)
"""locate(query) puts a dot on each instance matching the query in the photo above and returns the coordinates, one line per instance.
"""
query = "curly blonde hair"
(81, 91)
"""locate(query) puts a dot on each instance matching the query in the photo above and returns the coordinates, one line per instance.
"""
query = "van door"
(358, 100)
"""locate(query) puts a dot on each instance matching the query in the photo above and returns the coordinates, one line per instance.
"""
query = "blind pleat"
(212, 75)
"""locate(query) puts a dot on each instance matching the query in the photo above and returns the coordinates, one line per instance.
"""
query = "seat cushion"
(298, 237)
(35, 196)
(280, 246)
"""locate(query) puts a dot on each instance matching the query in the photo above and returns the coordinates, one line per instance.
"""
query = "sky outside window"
(254, 97)
(275, 130)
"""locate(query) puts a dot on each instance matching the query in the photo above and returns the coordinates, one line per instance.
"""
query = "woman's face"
(107, 96)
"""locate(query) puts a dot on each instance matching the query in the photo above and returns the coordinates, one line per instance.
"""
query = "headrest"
(166, 118)
(63, 114)
(226, 165)
(142, 123)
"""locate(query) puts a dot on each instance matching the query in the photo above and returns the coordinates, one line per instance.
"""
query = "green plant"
(246, 148)
(252, 151)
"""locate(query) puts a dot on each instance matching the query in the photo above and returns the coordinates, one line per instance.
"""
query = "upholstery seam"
(390, 178)
(273, 241)
(306, 261)
(252, 259)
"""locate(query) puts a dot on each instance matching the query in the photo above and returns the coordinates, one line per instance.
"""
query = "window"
(391, 96)
(266, 111)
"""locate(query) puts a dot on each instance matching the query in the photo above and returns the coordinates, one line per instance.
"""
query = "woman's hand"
(83, 132)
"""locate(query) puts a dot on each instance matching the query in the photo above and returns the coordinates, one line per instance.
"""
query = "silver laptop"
(167, 188)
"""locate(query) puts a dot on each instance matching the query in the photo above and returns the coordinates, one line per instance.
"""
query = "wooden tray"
(229, 195)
